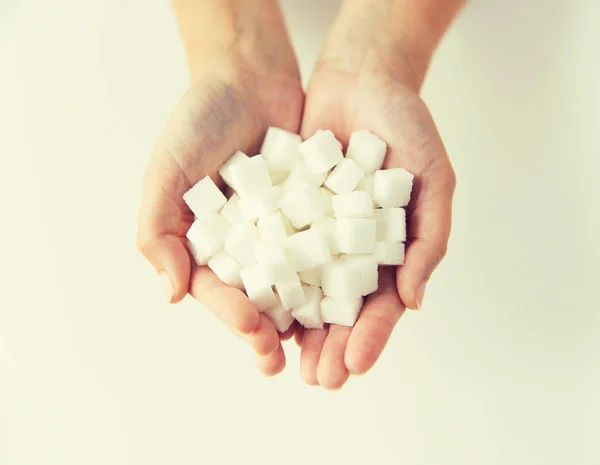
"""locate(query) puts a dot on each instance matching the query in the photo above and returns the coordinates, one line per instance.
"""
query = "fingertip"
(272, 364)
(312, 346)
(264, 338)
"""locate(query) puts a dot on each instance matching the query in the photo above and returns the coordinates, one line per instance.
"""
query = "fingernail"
(420, 294)
(166, 285)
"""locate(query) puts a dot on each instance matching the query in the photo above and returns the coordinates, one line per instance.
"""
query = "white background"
(501, 366)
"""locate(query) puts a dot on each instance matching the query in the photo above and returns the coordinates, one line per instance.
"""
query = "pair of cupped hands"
(230, 104)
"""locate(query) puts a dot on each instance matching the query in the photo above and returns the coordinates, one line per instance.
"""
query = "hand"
(345, 102)
(233, 100)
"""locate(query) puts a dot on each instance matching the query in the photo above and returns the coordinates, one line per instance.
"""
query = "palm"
(345, 103)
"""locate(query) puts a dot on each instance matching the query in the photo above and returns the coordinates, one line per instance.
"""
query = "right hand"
(229, 107)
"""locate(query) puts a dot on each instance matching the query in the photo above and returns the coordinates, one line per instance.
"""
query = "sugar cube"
(302, 204)
(338, 279)
(344, 177)
(341, 311)
(276, 174)
(257, 286)
(367, 150)
(326, 196)
(224, 170)
(226, 268)
(364, 272)
(272, 258)
(260, 203)
(250, 176)
(281, 148)
(240, 242)
(366, 184)
(353, 205)
(204, 197)
(231, 211)
(301, 174)
(206, 236)
(391, 224)
(327, 228)
(389, 253)
(275, 227)
(309, 313)
(356, 235)
(290, 292)
(311, 276)
(392, 188)
(281, 318)
(322, 151)
(307, 249)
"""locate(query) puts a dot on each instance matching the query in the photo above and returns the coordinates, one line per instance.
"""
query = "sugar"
(339, 279)
(226, 268)
(311, 276)
(302, 204)
(356, 235)
(353, 205)
(250, 176)
(231, 211)
(275, 227)
(272, 258)
(260, 204)
(326, 196)
(322, 151)
(363, 271)
(204, 197)
(327, 228)
(307, 249)
(290, 292)
(309, 314)
(344, 177)
(224, 170)
(281, 318)
(389, 253)
(342, 312)
(257, 286)
(367, 150)
(301, 174)
(240, 242)
(392, 188)
(276, 174)
(366, 184)
(391, 224)
(206, 236)
(281, 148)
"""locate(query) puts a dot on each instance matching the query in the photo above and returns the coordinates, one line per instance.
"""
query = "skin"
(244, 78)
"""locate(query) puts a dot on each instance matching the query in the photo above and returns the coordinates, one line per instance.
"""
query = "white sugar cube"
(322, 151)
(240, 242)
(309, 314)
(226, 268)
(250, 176)
(258, 288)
(281, 318)
(231, 211)
(204, 197)
(350, 276)
(356, 235)
(206, 236)
(301, 174)
(311, 276)
(275, 227)
(392, 188)
(307, 249)
(271, 257)
(341, 311)
(260, 204)
(281, 148)
(353, 205)
(344, 177)
(366, 184)
(302, 204)
(326, 196)
(364, 272)
(276, 174)
(391, 224)
(367, 150)
(224, 170)
(327, 228)
(290, 292)
(389, 253)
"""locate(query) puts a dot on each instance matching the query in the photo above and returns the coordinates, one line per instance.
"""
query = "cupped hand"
(345, 102)
(222, 112)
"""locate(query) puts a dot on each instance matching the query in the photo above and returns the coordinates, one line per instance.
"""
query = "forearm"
(219, 32)
(393, 36)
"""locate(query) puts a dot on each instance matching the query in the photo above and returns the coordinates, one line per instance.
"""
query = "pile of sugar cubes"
(306, 228)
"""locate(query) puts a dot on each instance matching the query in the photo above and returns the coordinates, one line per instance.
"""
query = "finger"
(272, 364)
(228, 303)
(379, 316)
(264, 339)
(287, 335)
(332, 372)
(312, 345)
(298, 334)
(429, 231)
